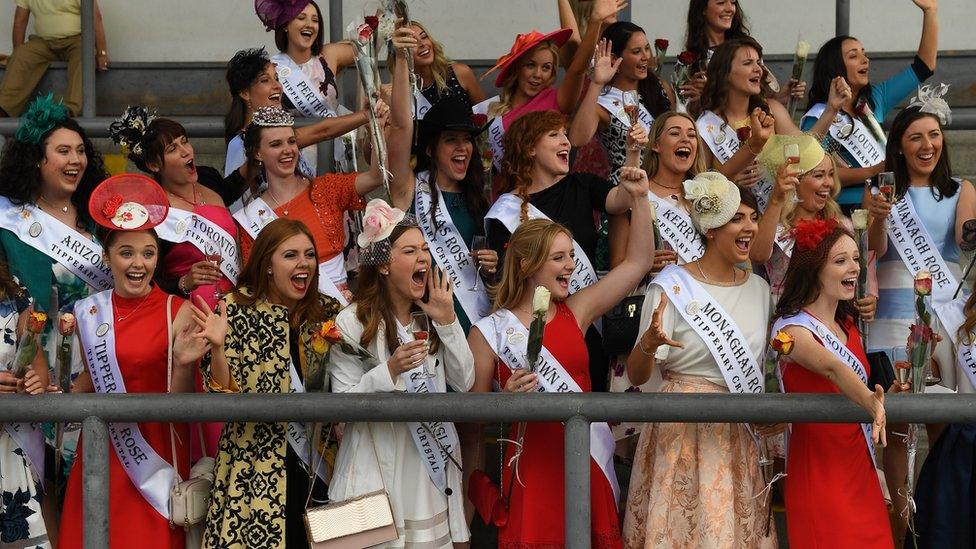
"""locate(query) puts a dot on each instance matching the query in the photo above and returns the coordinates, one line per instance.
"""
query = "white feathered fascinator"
(930, 100)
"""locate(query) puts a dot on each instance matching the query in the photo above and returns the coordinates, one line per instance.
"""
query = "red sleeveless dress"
(536, 512)
(832, 492)
(140, 342)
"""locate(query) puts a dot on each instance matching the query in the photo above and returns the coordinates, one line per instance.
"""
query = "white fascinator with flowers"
(931, 100)
(714, 200)
(379, 220)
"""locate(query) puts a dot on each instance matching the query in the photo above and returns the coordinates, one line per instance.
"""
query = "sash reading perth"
(718, 330)
(184, 226)
(830, 341)
(677, 229)
(861, 144)
(298, 432)
(449, 249)
(304, 95)
(150, 473)
(433, 453)
(918, 250)
(39, 230)
(724, 143)
(256, 214)
(612, 101)
(509, 339)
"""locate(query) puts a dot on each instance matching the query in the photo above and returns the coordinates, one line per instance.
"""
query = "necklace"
(279, 202)
(64, 209)
(120, 318)
(705, 276)
(191, 202)
(655, 181)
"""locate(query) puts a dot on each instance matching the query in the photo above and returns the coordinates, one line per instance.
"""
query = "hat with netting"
(379, 221)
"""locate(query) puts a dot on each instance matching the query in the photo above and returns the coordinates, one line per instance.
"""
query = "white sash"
(718, 330)
(785, 240)
(612, 101)
(449, 249)
(149, 472)
(861, 144)
(423, 105)
(496, 130)
(235, 154)
(253, 217)
(44, 233)
(952, 315)
(677, 229)
(724, 143)
(918, 251)
(183, 226)
(30, 439)
(834, 345)
(298, 432)
(433, 453)
(304, 94)
(509, 339)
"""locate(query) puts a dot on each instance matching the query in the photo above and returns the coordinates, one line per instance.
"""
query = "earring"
(385, 273)
(269, 271)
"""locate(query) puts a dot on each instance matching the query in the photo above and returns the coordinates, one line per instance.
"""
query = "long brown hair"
(530, 243)
(518, 142)
(801, 285)
(255, 277)
(374, 304)
(716, 92)
(652, 158)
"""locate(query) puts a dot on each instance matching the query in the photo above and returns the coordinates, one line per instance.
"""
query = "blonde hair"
(440, 67)
(510, 84)
(652, 159)
(530, 243)
(831, 209)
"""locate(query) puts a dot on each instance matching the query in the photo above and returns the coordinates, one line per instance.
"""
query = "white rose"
(540, 301)
(860, 219)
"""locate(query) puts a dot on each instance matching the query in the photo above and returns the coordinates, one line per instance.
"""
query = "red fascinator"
(524, 43)
(809, 233)
(128, 202)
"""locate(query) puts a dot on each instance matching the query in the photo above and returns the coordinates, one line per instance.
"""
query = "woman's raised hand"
(604, 67)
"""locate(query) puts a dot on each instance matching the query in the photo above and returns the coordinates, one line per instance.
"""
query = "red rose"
(686, 58)
(743, 133)
(661, 44)
(479, 119)
(373, 21)
(111, 206)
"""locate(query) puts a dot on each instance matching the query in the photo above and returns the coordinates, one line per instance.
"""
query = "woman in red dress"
(540, 257)
(133, 315)
(832, 492)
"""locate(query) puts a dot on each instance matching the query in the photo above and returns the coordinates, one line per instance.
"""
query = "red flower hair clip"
(810, 233)
(111, 206)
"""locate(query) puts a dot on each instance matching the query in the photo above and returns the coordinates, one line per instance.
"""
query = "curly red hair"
(518, 142)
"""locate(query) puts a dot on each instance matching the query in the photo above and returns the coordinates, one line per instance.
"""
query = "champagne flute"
(477, 243)
(791, 151)
(903, 368)
(886, 186)
(214, 256)
(420, 330)
(631, 103)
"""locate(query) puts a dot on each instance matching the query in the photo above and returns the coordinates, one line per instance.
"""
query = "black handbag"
(621, 325)
(881, 371)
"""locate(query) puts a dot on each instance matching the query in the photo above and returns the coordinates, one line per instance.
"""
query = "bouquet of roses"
(28, 345)
(362, 36)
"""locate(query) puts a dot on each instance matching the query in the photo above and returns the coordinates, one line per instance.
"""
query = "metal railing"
(576, 410)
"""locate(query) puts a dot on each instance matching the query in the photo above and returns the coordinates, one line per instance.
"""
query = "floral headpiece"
(272, 117)
(930, 100)
(131, 131)
(809, 233)
(42, 114)
(714, 200)
(379, 220)
(128, 202)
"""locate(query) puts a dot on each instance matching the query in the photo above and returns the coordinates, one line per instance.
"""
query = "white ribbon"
(304, 94)
(861, 144)
(496, 130)
(952, 315)
(509, 339)
(724, 143)
(677, 229)
(612, 101)
(183, 226)
(449, 249)
(835, 346)
(298, 432)
(152, 475)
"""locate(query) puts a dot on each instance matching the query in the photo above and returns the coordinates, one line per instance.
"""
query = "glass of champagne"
(420, 330)
(631, 103)
(903, 368)
(886, 186)
(477, 243)
(214, 256)
(791, 151)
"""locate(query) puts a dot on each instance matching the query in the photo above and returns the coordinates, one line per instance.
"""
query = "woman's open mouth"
(135, 277)
(563, 156)
(299, 281)
(459, 163)
(307, 33)
(419, 278)
(742, 244)
(563, 280)
(849, 284)
(684, 153)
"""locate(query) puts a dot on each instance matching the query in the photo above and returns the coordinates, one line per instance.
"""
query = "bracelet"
(749, 148)
(179, 285)
(640, 345)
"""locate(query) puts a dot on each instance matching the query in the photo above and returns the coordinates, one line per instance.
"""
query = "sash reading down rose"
(39, 230)
(151, 474)
(834, 345)
(724, 143)
(256, 214)
(183, 226)
(508, 338)
(449, 249)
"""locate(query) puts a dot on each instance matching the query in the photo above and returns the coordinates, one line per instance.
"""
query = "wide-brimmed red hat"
(128, 202)
(523, 44)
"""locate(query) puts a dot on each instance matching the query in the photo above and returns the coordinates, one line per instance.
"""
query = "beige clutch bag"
(362, 521)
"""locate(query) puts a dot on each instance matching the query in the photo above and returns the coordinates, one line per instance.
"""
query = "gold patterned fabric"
(694, 484)
(247, 503)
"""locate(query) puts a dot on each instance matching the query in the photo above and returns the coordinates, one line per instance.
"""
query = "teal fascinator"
(42, 114)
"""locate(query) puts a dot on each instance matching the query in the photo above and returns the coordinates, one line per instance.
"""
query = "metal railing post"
(626, 14)
(94, 484)
(335, 20)
(843, 22)
(577, 498)
(325, 157)
(87, 58)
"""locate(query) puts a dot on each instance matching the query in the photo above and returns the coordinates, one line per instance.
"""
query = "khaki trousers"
(27, 65)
